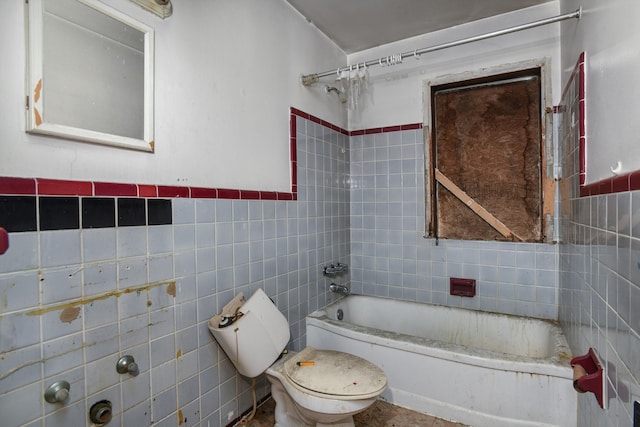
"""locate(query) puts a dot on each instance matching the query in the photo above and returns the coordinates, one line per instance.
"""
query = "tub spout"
(339, 288)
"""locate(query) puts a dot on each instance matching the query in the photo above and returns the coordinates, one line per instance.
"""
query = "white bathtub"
(474, 367)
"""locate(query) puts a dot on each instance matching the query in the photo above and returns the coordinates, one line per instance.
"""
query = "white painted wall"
(226, 74)
(396, 92)
(609, 33)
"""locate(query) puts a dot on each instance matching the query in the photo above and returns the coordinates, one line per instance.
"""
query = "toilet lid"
(336, 373)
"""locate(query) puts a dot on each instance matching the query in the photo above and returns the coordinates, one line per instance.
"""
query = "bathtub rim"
(557, 365)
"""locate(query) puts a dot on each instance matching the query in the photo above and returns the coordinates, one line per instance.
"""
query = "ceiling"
(356, 25)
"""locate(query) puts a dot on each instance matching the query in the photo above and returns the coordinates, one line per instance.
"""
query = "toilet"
(312, 388)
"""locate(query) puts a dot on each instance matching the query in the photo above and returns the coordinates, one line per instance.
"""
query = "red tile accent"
(145, 190)
(300, 113)
(203, 193)
(391, 129)
(294, 173)
(9, 185)
(634, 181)
(56, 187)
(268, 195)
(172, 191)
(411, 126)
(285, 196)
(293, 145)
(249, 195)
(620, 184)
(372, 131)
(357, 132)
(4, 240)
(582, 120)
(227, 193)
(113, 189)
(583, 156)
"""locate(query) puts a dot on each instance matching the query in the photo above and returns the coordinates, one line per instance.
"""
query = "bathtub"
(473, 367)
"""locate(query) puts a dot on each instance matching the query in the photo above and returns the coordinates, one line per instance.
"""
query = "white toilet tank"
(256, 337)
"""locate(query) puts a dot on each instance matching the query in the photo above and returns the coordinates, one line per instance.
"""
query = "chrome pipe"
(309, 79)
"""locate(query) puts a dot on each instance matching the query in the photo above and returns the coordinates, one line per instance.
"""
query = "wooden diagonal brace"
(475, 207)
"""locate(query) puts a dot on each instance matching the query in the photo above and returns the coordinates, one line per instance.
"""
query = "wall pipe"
(309, 79)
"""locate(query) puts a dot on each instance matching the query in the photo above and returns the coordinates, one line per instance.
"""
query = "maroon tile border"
(616, 184)
(57, 187)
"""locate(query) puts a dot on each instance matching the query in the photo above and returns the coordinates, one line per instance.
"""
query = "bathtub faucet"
(341, 289)
(334, 269)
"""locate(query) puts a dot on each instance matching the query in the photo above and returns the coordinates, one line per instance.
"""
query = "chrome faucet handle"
(127, 365)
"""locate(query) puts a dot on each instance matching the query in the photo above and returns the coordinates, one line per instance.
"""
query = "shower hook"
(415, 54)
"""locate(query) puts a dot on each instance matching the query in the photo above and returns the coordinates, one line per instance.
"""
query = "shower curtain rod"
(309, 79)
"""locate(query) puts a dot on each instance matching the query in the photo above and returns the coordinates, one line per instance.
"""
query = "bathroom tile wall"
(88, 279)
(599, 267)
(391, 258)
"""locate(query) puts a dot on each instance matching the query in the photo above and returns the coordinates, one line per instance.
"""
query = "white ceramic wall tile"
(102, 375)
(184, 237)
(132, 241)
(98, 244)
(164, 404)
(61, 284)
(62, 354)
(100, 342)
(135, 390)
(20, 368)
(59, 248)
(205, 210)
(132, 304)
(183, 211)
(22, 253)
(187, 365)
(160, 268)
(56, 323)
(160, 239)
(185, 263)
(99, 278)
(132, 273)
(139, 415)
(19, 290)
(162, 350)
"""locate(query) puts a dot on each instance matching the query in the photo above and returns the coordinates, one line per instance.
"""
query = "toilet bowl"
(327, 390)
(337, 386)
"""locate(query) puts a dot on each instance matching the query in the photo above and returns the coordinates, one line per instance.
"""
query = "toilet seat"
(335, 375)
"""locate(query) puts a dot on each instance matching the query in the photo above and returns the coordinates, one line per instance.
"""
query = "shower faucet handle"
(127, 365)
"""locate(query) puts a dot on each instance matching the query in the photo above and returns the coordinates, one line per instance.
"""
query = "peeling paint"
(108, 295)
(38, 118)
(69, 314)
(179, 353)
(152, 144)
(171, 289)
(37, 91)
(181, 418)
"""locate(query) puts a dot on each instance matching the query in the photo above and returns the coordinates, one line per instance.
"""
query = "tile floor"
(380, 414)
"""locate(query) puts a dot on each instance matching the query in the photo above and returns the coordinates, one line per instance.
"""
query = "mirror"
(90, 74)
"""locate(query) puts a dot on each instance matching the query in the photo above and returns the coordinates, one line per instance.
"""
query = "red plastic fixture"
(592, 379)
(462, 287)
(4, 240)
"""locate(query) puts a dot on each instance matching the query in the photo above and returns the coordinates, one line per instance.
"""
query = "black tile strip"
(131, 212)
(18, 213)
(159, 211)
(59, 213)
(98, 212)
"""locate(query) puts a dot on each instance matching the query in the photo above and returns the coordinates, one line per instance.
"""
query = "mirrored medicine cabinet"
(89, 74)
